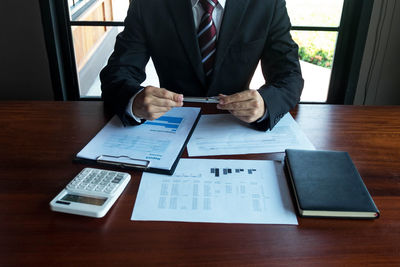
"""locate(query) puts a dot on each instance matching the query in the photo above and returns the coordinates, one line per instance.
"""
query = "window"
(315, 29)
(84, 34)
(93, 41)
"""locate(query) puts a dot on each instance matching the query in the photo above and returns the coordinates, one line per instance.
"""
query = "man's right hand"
(152, 102)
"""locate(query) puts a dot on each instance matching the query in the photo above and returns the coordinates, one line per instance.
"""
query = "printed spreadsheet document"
(223, 134)
(218, 191)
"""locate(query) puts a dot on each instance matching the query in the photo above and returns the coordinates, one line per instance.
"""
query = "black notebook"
(327, 184)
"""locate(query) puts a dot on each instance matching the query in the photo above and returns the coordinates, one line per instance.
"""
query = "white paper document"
(156, 142)
(223, 134)
(219, 191)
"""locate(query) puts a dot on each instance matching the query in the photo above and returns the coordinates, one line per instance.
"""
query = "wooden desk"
(38, 141)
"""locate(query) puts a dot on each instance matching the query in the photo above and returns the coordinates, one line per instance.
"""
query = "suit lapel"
(233, 16)
(182, 15)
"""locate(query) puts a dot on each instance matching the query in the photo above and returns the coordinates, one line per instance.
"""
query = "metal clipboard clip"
(123, 161)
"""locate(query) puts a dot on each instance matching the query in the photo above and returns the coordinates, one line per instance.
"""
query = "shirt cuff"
(129, 111)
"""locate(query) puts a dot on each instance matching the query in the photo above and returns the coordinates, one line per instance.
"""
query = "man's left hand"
(247, 106)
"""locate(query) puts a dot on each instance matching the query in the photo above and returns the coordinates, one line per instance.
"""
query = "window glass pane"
(93, 46)
(98, 10)
(326, 13)
(316, 51)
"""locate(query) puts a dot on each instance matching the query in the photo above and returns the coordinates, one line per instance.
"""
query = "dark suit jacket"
(251, 30)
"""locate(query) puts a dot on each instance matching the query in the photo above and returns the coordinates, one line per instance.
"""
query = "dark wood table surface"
(38, 141)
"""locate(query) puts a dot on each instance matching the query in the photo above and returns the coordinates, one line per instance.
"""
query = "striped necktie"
(207, 36)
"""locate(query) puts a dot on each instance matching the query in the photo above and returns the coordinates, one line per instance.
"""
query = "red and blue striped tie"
(207, 36)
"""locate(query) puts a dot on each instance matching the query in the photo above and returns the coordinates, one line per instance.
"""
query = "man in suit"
(204, 48)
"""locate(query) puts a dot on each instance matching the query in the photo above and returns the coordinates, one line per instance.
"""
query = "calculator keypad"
(95, 180)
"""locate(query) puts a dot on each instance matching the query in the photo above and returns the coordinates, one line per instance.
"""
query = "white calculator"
(91, 193)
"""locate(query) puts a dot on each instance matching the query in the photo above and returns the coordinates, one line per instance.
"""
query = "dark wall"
(24, 69)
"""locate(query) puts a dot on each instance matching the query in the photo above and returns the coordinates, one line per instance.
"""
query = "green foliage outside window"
(316, 56)
(316, 47)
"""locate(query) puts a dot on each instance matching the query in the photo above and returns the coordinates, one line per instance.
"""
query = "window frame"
(352, 35)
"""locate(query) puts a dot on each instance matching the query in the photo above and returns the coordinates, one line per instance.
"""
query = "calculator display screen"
(98, 201)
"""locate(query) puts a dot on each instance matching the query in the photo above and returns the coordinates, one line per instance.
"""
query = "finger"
(248, 104)
(243, 105)
(146, 104)
(161, 102)
(238, 97)
(149, 112)
(165, 94)
(248, 115)
(155, 109)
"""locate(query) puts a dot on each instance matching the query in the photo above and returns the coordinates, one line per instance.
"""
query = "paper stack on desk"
(223, 134)
(224, 191)
(152, 146)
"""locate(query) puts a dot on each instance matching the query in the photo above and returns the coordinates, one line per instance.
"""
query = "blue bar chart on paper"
(154, 144)
(165, 124)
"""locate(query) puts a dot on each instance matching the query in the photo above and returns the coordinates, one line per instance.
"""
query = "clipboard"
(141, 147)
